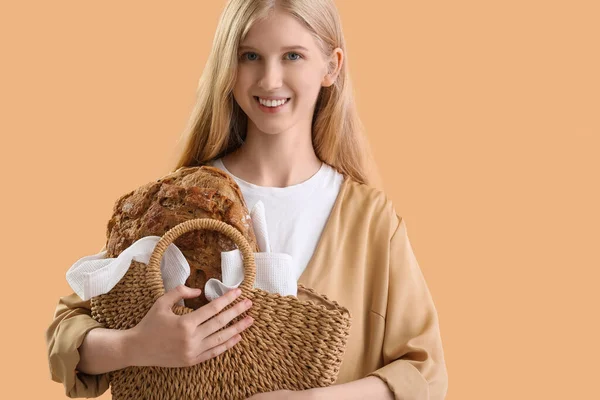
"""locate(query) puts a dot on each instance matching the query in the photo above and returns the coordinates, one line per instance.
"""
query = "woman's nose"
(271, 78)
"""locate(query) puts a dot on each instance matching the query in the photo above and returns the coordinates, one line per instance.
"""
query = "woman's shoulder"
(364, 201)
(364, 194)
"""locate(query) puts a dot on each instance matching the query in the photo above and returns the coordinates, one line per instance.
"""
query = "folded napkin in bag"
(94, 275)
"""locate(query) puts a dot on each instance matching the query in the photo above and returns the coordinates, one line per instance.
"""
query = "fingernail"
(238, 291)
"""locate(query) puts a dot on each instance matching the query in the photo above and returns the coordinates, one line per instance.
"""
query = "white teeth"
(271, 103)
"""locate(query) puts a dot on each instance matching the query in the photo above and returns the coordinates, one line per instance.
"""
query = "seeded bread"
(188, 193)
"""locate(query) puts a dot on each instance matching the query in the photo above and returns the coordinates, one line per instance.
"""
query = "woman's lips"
(271, 110)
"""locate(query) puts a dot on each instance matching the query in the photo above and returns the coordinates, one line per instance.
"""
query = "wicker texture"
(292, 344)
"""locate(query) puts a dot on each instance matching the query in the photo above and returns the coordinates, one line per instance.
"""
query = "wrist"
(129, 349)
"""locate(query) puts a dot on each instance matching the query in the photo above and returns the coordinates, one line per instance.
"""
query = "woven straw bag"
(293, 344)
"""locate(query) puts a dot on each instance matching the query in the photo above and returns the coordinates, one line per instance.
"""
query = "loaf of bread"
(188, 193)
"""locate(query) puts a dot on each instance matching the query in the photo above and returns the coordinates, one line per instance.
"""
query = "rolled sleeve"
(72, 321)
(414, 366)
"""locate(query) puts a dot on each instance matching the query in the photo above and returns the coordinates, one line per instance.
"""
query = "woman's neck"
(273, 162)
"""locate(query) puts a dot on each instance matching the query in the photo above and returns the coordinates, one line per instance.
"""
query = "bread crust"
(187, 193)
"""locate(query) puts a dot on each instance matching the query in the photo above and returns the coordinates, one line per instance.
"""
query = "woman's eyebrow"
(296, 47)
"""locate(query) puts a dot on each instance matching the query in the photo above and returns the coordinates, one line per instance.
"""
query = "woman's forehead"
(277, 32)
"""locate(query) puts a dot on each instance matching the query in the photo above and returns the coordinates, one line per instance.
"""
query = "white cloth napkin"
(95, 275)
(274, 273)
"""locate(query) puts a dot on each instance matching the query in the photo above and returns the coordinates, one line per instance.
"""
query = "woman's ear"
(334, 64)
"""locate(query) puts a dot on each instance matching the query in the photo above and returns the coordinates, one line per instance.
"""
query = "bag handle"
(197, 224)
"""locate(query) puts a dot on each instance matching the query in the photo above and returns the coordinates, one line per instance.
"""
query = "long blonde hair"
(217, 125)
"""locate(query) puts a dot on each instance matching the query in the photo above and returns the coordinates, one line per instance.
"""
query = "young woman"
(275, 110)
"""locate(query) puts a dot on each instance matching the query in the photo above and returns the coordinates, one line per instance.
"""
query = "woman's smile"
(271, 109)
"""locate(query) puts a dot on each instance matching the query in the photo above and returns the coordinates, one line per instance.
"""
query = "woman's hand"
(165, 339)
(283, 395)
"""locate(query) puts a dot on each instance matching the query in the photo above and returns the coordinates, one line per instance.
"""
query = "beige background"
(484, 119)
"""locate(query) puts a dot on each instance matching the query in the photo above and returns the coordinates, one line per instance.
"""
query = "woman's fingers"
(207, 311)
(223, 340)
(209, 338)
(170, 298)
(219, 337)
(215, 351)
(219, 321)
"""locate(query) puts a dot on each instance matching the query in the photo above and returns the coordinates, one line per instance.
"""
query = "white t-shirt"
(296, 215)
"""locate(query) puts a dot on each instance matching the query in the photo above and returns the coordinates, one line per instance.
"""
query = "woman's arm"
(71, 324)
(370, 387)
(413, 357)
(105, 350)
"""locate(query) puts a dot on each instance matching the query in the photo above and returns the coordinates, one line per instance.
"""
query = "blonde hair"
(217, 125)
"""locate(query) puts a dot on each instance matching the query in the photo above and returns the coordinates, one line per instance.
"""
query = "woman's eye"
(244, 55)
(297, 55)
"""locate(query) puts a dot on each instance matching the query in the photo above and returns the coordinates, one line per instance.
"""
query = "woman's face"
(271, 63)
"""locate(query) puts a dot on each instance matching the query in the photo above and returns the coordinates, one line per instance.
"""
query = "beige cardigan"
(365, 262)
